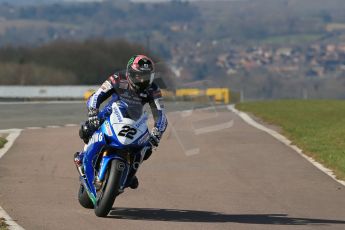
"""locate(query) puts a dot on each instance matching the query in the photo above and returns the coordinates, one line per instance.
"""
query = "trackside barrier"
(27, 93)
(219, 95)
(188, 92)
(167, 93)
(88, 94)
(66, 92)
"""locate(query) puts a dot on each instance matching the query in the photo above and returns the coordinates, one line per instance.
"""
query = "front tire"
(84, 199)
(110, 189)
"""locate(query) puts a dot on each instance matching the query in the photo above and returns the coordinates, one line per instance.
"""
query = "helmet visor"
(139, 78)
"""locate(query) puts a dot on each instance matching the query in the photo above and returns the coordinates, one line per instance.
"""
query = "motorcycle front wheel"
(110, 188)
(83, 198)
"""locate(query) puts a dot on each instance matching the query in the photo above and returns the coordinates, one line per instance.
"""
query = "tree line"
(67, 62)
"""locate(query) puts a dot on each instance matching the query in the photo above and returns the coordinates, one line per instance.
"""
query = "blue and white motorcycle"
(117, 146)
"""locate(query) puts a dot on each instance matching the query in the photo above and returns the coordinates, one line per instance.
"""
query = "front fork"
(129, 168)
(104, 166)
(129, 171)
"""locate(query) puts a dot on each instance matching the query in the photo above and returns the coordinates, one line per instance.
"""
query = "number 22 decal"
(128, 132)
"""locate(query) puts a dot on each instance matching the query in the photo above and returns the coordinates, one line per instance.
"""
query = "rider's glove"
(155, 137)
(93, 117)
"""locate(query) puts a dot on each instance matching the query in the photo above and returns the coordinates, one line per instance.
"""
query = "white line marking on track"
(12, 225)
(214, 128)
(285, 141)
(33, 128)
(71, 125)
(13, 134)
(53, 126)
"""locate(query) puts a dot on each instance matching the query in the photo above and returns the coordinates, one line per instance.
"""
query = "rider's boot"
(148, 153)
(134, 183)
(78, 161)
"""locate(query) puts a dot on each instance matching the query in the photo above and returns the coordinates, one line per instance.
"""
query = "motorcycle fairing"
(116, 132)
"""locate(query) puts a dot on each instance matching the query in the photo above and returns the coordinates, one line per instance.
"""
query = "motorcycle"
(117, 146)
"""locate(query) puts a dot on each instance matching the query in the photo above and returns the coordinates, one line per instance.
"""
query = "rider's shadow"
(178, 215)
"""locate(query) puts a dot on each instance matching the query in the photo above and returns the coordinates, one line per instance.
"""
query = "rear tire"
(110, 189)
(84, 199)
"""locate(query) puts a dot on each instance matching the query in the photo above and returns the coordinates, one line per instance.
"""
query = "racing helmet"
(140, 72)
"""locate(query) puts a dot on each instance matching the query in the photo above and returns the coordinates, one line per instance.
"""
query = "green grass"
(3, 225)
(316, 126)
(2, 142)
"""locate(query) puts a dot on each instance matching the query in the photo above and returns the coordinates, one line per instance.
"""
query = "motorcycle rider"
(134, 88)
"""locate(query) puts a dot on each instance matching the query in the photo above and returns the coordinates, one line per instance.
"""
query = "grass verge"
(2, 142)
(316, 126)
(3, 225)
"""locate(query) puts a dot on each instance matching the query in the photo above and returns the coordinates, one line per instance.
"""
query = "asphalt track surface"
(43, 114)
(211, 171)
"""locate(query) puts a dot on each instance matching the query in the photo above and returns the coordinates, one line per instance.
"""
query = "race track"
(211, 171)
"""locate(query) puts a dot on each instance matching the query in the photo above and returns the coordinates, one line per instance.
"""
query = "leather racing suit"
(118, 87)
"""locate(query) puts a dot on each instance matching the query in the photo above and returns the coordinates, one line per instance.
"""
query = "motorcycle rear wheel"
(110, 189)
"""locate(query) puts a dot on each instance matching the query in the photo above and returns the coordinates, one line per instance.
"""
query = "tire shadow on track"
(179, 215)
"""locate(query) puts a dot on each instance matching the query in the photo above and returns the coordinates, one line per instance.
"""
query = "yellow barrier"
(219, 94)
(166, 93)
(188, 92)
(88, 94)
